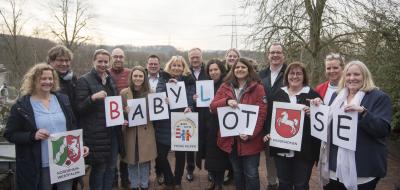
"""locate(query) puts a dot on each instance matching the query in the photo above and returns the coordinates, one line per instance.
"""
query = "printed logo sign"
(66, 150)
(288, 122)
(184, 131)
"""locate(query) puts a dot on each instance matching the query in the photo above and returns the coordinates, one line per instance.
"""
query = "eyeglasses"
(296, 74)
(62, 60)
(275, 52)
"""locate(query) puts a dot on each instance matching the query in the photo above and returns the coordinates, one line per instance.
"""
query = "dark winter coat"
(216, 159)
(20, 130)
(92, 117)
(309, 145)
(163, 127)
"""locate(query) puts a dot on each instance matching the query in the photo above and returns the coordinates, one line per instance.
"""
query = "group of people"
(54, 100)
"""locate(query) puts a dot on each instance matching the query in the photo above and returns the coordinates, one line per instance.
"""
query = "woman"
(104, 142)
(231, 57)
(334, 64)
(215, 161)
(175, 70)
(40, 112)
(294, 168)
(242, 86)
(140, 142)
(358, 93)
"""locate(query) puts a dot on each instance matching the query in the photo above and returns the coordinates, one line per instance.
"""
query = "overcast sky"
(181, 23)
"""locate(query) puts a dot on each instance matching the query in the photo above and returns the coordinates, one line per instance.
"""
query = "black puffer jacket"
(20, 130)
(92, 117)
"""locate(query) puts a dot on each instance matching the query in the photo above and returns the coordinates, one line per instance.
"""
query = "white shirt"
(153, 81)
(274, 74)
(293, 100)
(196, 72)
(329, 92)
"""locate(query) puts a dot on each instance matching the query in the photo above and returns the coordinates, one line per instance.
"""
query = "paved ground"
(390, 182)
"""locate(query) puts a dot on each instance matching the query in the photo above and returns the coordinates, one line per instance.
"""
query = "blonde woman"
(40, 112)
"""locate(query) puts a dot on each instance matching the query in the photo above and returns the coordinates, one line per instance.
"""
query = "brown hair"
(145, 86)
(296, 64)
(252, 76)
(58, 51)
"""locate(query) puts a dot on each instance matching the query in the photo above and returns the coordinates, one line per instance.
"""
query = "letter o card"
(287, 125)
(114, 112)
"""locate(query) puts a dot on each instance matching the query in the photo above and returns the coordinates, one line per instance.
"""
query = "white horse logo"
(74, 147)
(285, 120)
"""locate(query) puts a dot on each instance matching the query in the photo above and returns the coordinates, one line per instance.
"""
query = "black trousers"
(190, 162)
(165, 167)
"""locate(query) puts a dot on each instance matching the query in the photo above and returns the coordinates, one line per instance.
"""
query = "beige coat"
(146, 137)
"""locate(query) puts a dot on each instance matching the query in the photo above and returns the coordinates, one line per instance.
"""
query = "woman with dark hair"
(294, 168)
(215, 161)
(242, 86)
(140, 142)
(175, 70)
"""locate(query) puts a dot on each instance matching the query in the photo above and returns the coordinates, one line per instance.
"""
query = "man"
(60, 57)
(104, 142)
(121, 77)
(196, 66)
(272, 78)
(153, 73)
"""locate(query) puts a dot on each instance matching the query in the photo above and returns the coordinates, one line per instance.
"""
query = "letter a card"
(137, 112)
(287, 126)
(114, 112)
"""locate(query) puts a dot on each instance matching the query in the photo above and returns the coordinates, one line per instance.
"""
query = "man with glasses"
(272, 78)
(120, 75)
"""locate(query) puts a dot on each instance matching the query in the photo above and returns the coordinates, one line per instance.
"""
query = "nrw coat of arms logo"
(66, 150)
(287, 122)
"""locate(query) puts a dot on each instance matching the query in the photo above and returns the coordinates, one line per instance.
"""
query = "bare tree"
(12, 27)
(71, 18)
(304, 26)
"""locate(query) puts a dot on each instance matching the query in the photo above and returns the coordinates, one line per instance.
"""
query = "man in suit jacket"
(272, 78)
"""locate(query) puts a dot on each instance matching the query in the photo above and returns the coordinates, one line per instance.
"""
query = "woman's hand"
(172, 80)
(244, 137)
(85, 151)
(307, 110)
(187, 110)
(353, 108)
(195, 97)
(267, 138)
(41, 134)
(127, 109)
(315, 101)
(232, 103)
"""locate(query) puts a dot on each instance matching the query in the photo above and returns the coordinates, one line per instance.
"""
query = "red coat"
(254, 95)
(322, 88)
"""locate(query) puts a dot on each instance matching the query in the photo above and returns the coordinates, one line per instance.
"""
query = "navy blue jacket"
(373, 128)
(163, 127)
(20, 130)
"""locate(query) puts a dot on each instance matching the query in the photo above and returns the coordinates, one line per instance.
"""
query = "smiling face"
(100, 64)
(333, 70)
(275, 55)
(354, 78)
(176, 68)
(118, 58)
(62, 64)
(45, 82)
(296, 78)
(195, 58)
(214, 72)
(241, 71)
(153, 66)
(138, 78)
(231, 57)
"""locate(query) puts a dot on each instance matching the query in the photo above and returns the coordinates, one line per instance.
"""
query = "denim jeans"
(293, 173)
(245, 167)
(46, 184)
(139, 174)
(102, 174)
